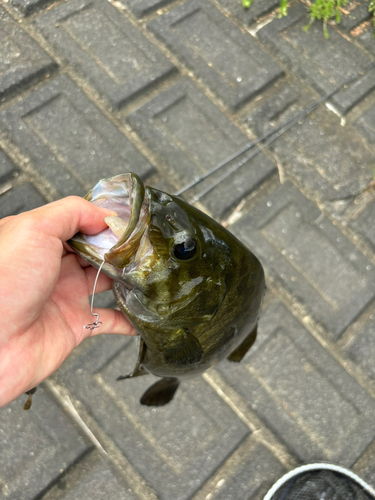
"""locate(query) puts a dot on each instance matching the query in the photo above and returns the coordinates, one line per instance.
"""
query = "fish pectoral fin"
(160, 393)
(182, 348)
(138, 369)
(240, 351)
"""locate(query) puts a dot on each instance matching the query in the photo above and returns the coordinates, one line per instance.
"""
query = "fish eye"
(186, 249)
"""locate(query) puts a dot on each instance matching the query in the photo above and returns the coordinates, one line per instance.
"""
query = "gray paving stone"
(258, 9)
(36, 447)
(176, 448)
(22, 61)
(7, 168)
(18, 200)
(92, 478)
(105, 48)
(191, 135)
(355, 14)
(366, 124)
(309, 55)
(364, 224)
(366, 39)
(309, 401)
(69, 141)
(228, 61)
(247, 474)
(28, 7)
(141, 8)
(308, 257)
(332, 162)
(361, 349)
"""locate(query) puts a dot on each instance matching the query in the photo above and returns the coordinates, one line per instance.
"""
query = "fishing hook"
(96, 323)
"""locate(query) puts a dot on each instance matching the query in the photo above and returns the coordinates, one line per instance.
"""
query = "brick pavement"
(168, 89)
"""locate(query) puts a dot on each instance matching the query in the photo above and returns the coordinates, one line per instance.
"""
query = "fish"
(190, 288)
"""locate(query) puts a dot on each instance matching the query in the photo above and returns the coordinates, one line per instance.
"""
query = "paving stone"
(28, 7)
(70, 142)
(331, 162)
(21, 199)
(355, 14)
(366, 124)
(176, 448)
(309, 258)
(361, 349)
(366, 38)
(364, 223)
(93, 478)
(258, 9)
(249, 473)
(228, 61)
(7, 168)
(36, 446)
(22, 61)
(308, 400)
(141, 8)
(105, 48)
(309, 55)
(191, 135)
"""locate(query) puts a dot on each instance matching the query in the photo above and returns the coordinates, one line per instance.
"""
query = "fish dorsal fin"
(182, 348)
(160, 393)
(237, 355)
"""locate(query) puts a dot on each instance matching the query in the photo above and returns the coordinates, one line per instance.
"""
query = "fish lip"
(129, 187)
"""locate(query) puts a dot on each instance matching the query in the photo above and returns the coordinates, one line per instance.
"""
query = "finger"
(64, 218)
(113, 322)
(103, 284)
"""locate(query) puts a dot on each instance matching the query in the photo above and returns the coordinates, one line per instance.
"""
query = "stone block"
(20, 199)
(355, 13)
(22, 61)
(92, 478)
(69, 141)
(364, 222)
(258, 9)
(365, 37)
(175, 448)
(249, 473)
(28, 7)
(331, 162)
(309, 258)
(103, 46)
(309, 55)
(191, 135)
(141, 8)
(300, 392)
(7, 168)
(227, 60)
(365, 124)
(36, 446)
(361, 348)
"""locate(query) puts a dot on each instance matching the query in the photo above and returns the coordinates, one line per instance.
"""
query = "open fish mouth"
(118, 244)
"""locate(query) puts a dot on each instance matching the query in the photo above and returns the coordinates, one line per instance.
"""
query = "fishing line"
(96, 323)
(272, 134)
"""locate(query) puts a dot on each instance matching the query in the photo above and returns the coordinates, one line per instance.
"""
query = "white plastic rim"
(314, 467)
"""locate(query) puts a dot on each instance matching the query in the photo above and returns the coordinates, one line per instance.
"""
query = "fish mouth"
(116, 245)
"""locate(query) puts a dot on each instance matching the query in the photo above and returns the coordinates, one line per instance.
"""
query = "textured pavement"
(168, 89)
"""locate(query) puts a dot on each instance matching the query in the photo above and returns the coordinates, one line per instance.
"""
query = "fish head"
(168, 255)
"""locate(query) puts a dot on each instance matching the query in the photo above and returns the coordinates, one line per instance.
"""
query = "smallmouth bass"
(190, 288)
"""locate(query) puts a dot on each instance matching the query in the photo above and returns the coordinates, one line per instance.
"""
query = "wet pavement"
(90, 89)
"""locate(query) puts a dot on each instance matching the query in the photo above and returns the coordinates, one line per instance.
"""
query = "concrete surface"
(168, 89)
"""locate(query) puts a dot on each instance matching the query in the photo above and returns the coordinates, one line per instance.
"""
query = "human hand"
(44, 292)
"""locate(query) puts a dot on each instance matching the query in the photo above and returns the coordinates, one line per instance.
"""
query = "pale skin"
(44, 290)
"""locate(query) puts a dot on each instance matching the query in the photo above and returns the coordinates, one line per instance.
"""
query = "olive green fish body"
(190, 288)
